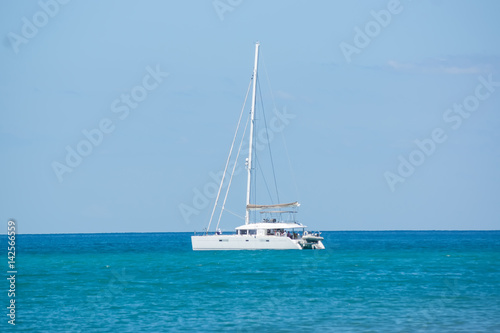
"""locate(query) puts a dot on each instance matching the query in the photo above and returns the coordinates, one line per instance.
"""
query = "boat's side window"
(252, 232)
(243, 232)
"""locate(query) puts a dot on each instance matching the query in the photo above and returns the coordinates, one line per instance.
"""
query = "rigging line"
(238, 216)
(282, 135)
(291, 168)
(268, 142)
(232, 174)
(269, 82)
(265, 181)
(228, 158)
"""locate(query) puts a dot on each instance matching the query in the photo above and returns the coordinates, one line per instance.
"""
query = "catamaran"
(278, 229)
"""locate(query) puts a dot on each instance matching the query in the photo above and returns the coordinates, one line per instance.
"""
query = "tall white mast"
(252, 118)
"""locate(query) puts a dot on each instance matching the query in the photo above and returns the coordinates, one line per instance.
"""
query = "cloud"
(452, 65)
(284, 95)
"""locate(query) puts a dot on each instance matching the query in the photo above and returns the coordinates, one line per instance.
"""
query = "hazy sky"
(116, 115)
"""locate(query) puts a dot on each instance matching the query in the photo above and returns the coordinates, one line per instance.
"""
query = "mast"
(252, 118)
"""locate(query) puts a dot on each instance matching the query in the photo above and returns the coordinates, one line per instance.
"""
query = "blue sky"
(424, 71)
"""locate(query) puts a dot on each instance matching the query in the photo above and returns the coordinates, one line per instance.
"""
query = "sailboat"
(273, 232)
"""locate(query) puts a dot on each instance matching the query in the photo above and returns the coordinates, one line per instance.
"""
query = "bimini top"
(269, 225)
(285, 205)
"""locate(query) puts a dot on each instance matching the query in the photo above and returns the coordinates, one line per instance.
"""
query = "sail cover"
(285, 205)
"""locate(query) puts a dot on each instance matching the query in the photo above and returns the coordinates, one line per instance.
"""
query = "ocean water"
(154, 282)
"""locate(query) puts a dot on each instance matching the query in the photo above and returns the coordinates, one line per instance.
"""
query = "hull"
(238, 242)
(312, 239)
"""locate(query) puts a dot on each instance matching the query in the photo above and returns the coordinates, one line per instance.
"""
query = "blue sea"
(427, 281)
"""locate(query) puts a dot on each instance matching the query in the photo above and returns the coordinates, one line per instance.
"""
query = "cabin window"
(243, 232)
(252, 232)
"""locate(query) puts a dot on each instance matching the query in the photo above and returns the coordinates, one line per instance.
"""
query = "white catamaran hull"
(238, 242)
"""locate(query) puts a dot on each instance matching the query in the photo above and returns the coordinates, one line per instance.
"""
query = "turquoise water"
(363, 282)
